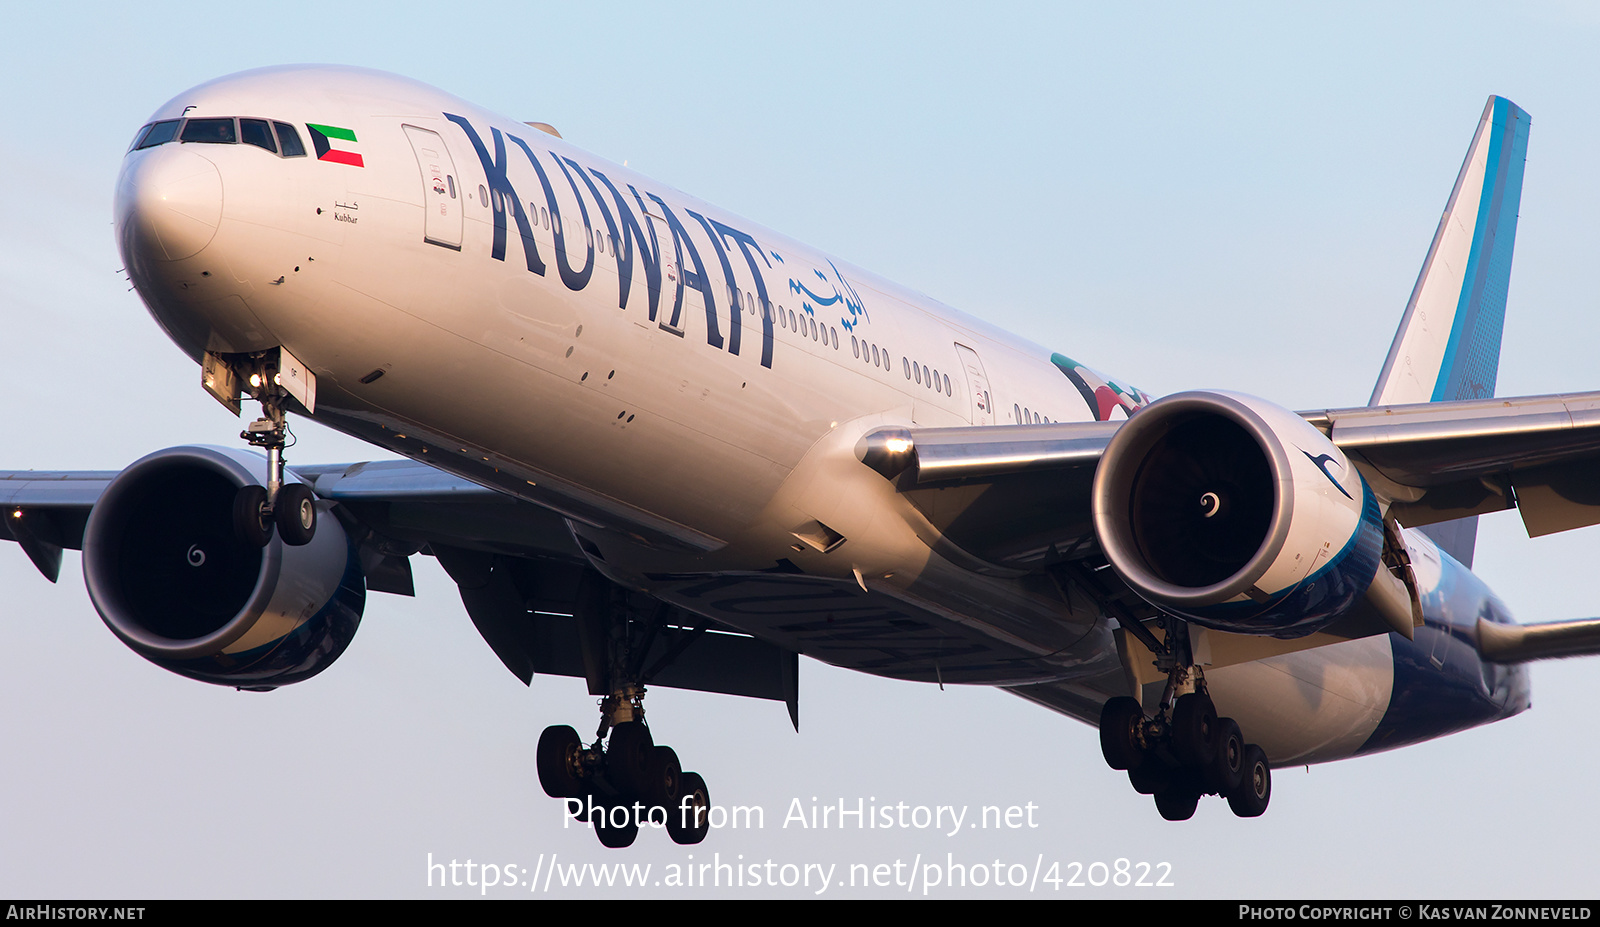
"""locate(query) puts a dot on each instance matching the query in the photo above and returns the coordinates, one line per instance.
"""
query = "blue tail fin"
(1448, 345)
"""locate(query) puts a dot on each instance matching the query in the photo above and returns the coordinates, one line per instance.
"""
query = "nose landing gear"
(270, 378)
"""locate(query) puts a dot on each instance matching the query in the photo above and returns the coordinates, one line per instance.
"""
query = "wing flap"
(1448, 460)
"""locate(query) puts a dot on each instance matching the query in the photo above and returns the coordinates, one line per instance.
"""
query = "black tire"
(665, 780)
(628, 755)
(1194, 730)
(689, 818)
(295, 512)
(615, 837)
(588, 801)
(1250, 799)
(1151, 777)
(1178, 801)
(1227, 768)
(1119, 733)
(557, 760)
(250, 524)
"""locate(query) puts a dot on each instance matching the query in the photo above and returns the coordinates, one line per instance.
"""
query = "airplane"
(657, 445)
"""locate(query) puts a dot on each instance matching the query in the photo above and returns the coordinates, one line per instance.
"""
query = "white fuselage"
(686, 387)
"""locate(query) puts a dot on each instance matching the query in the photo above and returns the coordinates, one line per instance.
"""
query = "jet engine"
(1236, 514)
(170, 578)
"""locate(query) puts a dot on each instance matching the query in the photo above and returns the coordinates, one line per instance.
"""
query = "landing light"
(898, 445)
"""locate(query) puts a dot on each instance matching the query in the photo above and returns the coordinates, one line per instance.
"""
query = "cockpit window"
(289, 139)
(210, 131)
(258, 133)
(280, 138)
(158, 133)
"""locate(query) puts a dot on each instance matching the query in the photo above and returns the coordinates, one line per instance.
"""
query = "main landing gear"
(1185, 750)
(628, 780)
(624, 783)
(288, 507)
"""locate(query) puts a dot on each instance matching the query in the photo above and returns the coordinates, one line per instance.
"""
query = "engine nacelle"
(169, 577)
(1236, 514)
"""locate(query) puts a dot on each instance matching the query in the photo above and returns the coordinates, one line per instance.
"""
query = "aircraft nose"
(169, 204)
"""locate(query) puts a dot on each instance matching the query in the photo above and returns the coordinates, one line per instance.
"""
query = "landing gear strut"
(628, 781)
(288, 507)
(1185, 750)
(624, 778)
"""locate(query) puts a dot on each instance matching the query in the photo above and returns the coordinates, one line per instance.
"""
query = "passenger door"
(441, 197)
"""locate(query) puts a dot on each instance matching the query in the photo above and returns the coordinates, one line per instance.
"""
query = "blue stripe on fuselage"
(1441, 685)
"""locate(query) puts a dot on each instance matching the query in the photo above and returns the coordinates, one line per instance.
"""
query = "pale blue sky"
(1233, 196)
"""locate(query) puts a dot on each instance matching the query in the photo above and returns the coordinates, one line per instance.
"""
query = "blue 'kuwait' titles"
(629, 235)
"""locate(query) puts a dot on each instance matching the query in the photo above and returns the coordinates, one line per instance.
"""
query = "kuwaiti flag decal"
(320, 139)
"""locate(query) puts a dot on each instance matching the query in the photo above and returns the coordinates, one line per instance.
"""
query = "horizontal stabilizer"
(1520, 643)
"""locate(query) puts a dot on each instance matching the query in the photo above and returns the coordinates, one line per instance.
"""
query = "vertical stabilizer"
(1448, 345)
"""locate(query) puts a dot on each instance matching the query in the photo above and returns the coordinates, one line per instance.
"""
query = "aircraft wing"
(1434, 461)
(519, 570)
(1449, 460)
(1007, 500)
(45, 510)
(1021, 497)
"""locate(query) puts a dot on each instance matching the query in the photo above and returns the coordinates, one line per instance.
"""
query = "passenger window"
(210, 131)
(855, 346)
(256, 132)
(158, 134)
(289, 144)
(947, 391)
